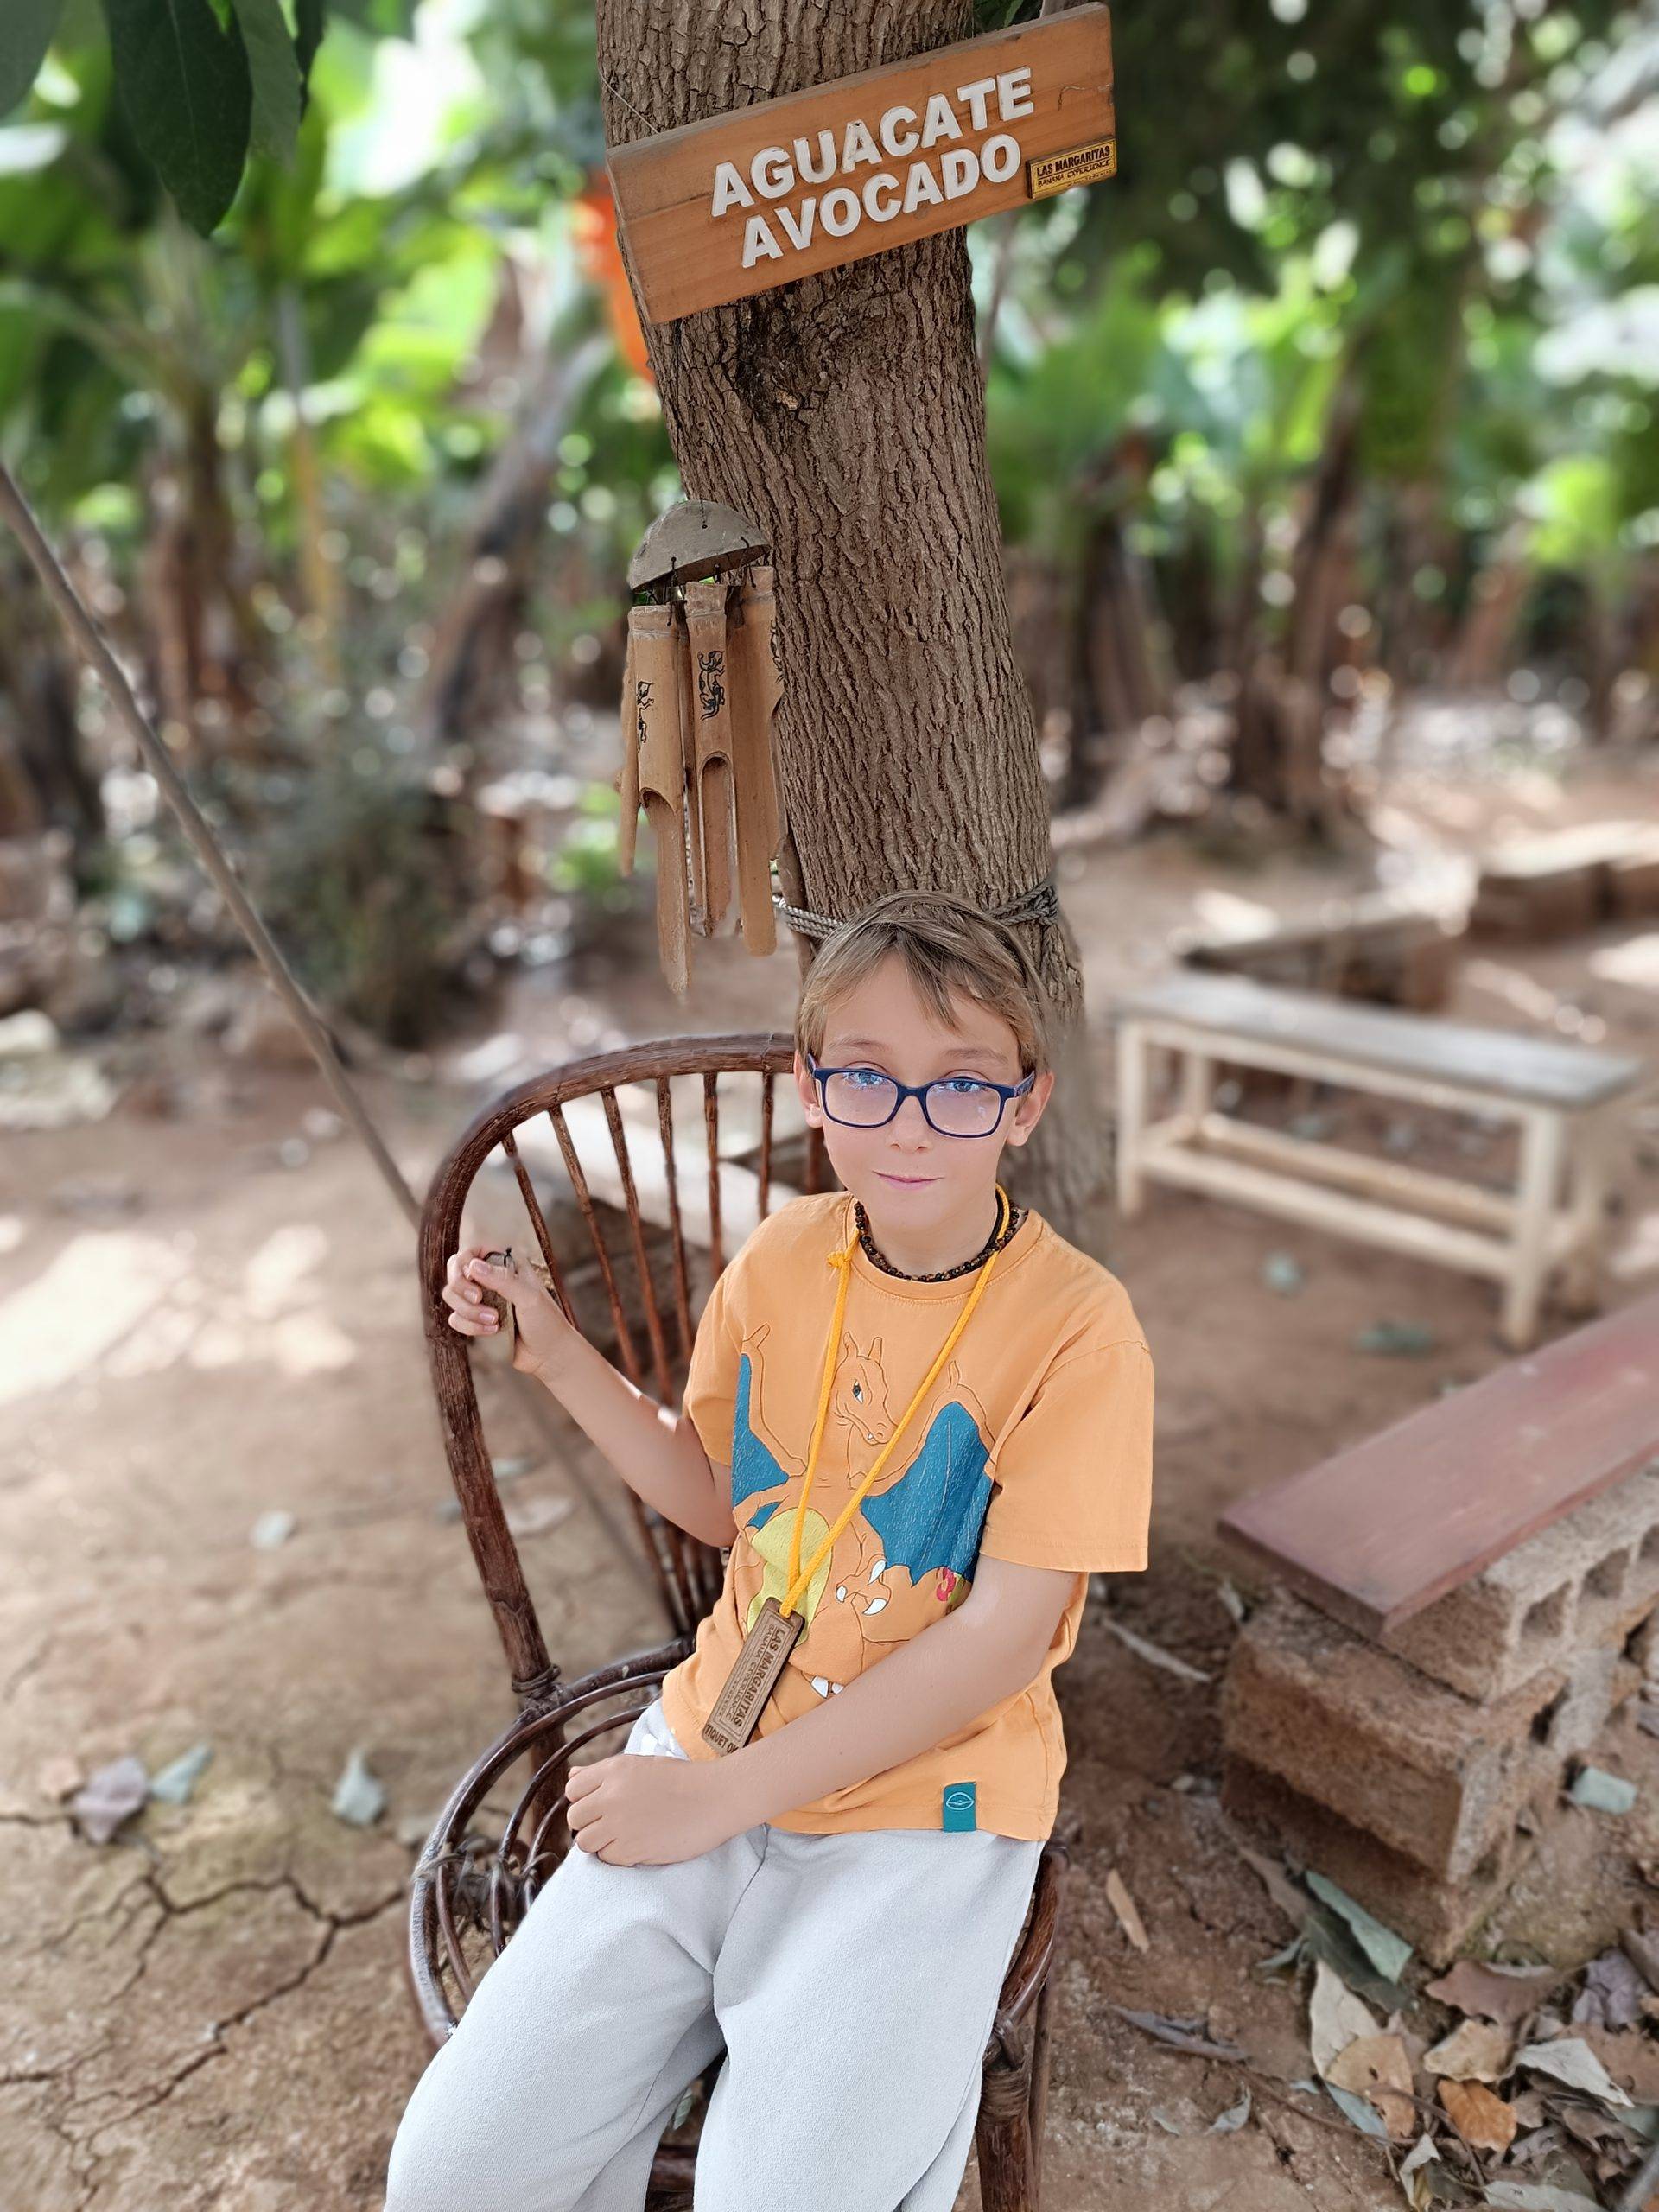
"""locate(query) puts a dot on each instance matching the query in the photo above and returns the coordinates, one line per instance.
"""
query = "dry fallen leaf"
(1611, 1993)
(1291, 1901)
(110, 1796)
(1476, 2051)
(1123, 1905)
(1485, 2121)
(1493, 1992)
(1335, 2016)
(1414, 2178)
(1631, 2056)
(1589, 2124)
(1536, 2197)
(1570, 2059)
(1377, 2066)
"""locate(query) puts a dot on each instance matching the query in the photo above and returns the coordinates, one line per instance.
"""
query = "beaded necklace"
(993, 1243)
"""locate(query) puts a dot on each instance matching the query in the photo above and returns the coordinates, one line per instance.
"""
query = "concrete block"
(1437, 1917)
(1642, 1649)
(1598, 1681)
(1586, 1580)
(1426, 1772)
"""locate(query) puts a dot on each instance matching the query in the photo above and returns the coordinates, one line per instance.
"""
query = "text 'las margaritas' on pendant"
(748, 1686)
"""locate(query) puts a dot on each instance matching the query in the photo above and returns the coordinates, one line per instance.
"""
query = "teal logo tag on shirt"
(956, 1805)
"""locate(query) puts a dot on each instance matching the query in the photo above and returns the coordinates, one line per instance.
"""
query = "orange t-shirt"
(1034, 1445)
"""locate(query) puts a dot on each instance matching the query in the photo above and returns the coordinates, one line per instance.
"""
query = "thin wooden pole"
(94, 648)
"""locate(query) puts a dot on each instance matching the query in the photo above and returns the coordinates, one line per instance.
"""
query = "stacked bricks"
(1413, 1771)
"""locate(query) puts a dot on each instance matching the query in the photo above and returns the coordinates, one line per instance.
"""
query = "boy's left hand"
(640, 1808)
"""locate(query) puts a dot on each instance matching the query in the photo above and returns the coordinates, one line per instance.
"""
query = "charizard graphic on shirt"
(906, 1554)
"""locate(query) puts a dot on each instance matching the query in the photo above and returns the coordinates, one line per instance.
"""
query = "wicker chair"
(486, 1858)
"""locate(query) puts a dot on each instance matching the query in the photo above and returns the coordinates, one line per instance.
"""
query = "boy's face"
(905, 1172)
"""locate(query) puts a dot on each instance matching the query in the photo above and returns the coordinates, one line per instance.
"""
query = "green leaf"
(26, 30)
(1363, 2112)
(1387, 1952)
(379, 18)
(276, 76)
(185, 85)
(309, 19)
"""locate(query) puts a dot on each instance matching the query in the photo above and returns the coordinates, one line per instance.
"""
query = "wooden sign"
(720, 209)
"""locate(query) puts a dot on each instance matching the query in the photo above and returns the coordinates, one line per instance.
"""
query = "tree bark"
(844, 413)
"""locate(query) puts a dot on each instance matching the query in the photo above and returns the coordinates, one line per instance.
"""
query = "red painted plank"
(1385, 1526)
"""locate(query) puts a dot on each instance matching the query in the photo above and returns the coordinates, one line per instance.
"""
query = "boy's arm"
(948, 1672)
(657, 1453)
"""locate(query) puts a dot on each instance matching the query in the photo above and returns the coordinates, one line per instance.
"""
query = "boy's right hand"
(541, 1335)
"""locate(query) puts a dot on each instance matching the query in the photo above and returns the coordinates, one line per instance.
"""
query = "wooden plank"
(1269, 1191)
(720, 209)
(1391, 1179)
(1496, 1063)
(1384, 1528)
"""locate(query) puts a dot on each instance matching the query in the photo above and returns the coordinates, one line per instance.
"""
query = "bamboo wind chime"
(701, 686)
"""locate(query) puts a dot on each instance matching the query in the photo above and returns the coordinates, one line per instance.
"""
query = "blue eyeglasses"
(953, 1105)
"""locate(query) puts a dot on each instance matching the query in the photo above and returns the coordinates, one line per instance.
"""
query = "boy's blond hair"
(947, 945)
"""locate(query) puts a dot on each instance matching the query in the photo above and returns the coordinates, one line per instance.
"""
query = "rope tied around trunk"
(1041, 903)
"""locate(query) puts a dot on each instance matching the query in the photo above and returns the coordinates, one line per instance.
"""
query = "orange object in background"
(593, 223)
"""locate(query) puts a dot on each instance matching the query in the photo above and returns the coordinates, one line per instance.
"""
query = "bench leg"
(1542, 1146)
(1586, 1202)
(1132, 1057)
(1197, 1084)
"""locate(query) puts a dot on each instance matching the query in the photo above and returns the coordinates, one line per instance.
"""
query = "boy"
(832, 1883)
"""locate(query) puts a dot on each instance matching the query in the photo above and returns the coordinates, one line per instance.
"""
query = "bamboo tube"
(693, 792)
(662, 778)
(705, 622)
(763, 584)
(628, 782)
(755, 690)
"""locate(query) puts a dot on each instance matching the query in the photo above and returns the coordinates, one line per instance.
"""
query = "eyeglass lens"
(956, 1105)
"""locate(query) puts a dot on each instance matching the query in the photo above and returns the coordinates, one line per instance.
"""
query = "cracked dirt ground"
(210, 2010)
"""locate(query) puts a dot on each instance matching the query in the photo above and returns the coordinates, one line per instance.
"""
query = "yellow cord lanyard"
(777, 1627)
(799, 1577)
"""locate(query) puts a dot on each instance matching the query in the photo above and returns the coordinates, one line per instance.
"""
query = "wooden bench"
(1567, 1099)
(1381, 1530)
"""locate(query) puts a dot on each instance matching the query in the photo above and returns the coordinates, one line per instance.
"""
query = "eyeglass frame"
(1005, 1091)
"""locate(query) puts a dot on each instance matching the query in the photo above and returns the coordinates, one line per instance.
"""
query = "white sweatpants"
(852, 1979)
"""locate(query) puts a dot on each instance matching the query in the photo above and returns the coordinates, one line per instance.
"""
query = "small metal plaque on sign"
(748, 1686)
(1060, 172)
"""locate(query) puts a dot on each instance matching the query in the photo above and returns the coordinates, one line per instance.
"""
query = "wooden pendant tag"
(748, 1686)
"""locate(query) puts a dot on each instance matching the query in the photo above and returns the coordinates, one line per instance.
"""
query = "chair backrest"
(648, 1150)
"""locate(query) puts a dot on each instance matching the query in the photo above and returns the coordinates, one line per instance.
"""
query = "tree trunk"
(844, 413)
(46, 781)
(473, 665)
